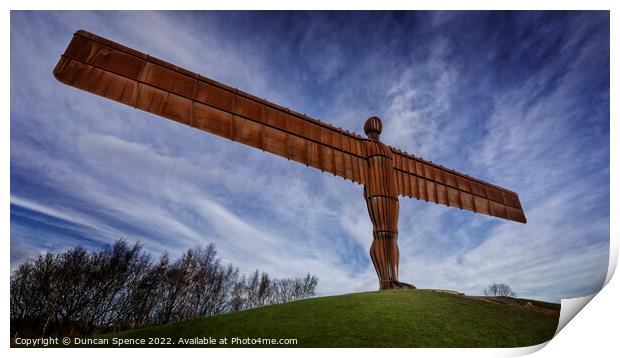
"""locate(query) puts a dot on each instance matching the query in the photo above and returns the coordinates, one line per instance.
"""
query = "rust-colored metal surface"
(122, 74)
(424, 180)
(381, 194)
(100, 66)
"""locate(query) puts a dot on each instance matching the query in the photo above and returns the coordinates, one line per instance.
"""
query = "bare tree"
(238, 299)
(79, 292)
(499, 289)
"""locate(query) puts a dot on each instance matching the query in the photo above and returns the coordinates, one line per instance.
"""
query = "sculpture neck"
(374, 136)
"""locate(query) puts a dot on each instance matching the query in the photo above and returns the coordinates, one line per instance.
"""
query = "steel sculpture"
(122, 74)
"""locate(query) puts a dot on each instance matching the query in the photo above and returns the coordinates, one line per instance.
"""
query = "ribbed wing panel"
(421, 179)
(119, 73)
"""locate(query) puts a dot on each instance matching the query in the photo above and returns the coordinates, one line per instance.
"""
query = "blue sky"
(518, 99)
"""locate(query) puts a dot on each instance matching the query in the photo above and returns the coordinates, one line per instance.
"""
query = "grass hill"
(407, 318)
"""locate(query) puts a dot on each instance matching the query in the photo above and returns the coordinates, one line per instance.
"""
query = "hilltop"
(405, 318)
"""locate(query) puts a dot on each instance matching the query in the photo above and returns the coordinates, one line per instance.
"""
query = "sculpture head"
(373, 127)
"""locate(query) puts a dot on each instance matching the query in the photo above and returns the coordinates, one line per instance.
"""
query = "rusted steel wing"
(421, 179)
(122, 74)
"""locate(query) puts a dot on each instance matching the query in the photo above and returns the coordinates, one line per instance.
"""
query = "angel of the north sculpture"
(122, 74)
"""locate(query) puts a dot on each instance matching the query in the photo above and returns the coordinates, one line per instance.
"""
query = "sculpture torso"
(381, 188)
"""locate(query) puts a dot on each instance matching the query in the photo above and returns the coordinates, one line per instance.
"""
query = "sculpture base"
(397, 285)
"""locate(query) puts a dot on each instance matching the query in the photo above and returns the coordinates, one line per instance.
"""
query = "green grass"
(407, 318)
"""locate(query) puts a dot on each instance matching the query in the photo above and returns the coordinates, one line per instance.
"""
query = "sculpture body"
(122, 74)
(381, 197)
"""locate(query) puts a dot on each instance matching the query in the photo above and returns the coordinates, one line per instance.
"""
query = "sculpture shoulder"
(374, 148)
